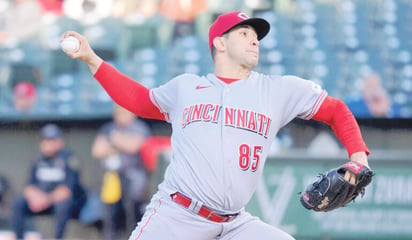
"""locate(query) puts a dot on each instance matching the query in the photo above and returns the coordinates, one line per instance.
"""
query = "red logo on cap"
(243, 16)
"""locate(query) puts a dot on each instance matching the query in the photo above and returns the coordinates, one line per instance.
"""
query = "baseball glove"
(332, 190)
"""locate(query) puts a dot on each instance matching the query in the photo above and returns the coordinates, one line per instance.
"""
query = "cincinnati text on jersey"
(233, 117)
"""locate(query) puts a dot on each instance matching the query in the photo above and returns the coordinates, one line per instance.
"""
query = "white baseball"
(70, 44)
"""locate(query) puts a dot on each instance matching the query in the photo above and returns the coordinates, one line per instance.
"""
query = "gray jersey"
(222, 132)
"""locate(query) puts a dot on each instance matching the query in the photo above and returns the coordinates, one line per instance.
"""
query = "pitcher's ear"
(219, 43)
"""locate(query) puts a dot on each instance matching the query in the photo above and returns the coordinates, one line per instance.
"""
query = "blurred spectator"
(285, 6)
(24, 96)
(54, 7)
(374, 101)
(3, 188)
(135, 9)
(54, 186)
(22, 20)
(257, 6)
(151, 149)
(87, 11)
(183, 13)
(217, 7)
(126, 180)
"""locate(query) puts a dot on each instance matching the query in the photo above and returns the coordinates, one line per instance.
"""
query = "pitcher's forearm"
(94, 63)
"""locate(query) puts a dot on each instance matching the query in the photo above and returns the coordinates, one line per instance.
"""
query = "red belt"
(203, 211)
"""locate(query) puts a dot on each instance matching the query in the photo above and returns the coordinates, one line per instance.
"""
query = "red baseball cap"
(227, 21)
(24, 89)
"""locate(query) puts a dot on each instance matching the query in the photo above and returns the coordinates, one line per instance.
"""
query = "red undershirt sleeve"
(337, 115)
(127, 93)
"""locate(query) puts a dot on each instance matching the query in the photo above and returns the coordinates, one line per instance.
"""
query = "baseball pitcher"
(223, 125)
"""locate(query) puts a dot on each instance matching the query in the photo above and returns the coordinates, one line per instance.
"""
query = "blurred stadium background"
(335, 43)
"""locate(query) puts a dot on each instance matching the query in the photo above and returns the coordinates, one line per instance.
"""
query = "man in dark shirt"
(54, 186)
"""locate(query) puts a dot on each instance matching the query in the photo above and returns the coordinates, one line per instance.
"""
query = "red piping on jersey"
(316, 105)
(148, 219)
(127, 92)
(337, 115)
(154, 101)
